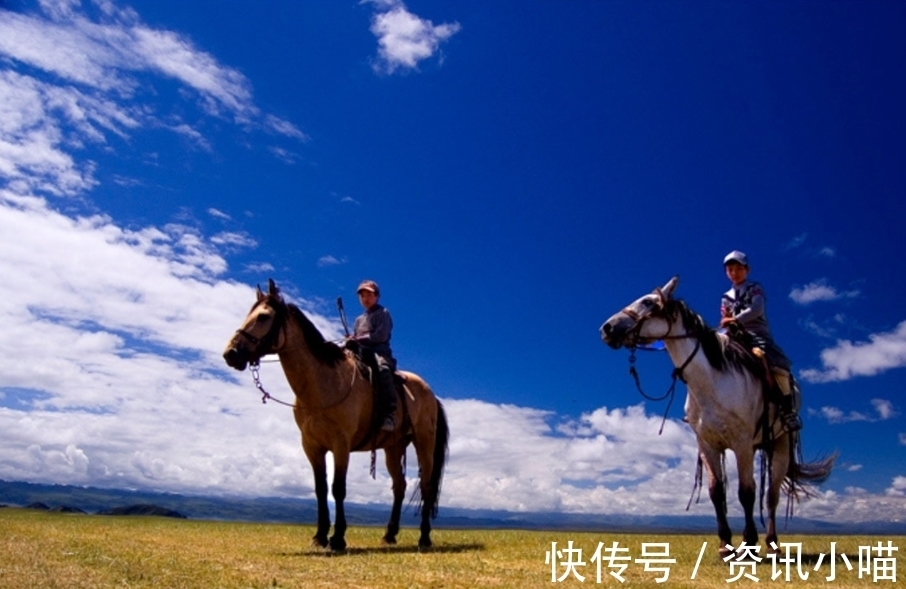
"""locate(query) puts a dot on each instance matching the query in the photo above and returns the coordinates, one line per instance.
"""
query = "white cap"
(736, 256)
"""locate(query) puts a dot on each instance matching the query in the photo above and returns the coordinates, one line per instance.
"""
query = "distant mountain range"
(304, 511)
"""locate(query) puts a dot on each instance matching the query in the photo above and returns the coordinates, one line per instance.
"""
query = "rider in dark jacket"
(744, 305)
(372, 331)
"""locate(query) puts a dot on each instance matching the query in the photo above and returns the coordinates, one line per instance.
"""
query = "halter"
(677, 371)
(265, 341)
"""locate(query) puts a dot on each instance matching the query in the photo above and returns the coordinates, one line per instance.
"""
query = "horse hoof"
(388, 541)
(725, 552)
(337, 544)
(424, 543)
(318, 542)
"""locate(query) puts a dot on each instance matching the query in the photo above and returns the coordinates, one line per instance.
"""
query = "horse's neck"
(730, 389)
(686, 353)
(312, 381)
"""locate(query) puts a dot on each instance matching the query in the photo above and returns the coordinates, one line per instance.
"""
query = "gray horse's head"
(641, 321)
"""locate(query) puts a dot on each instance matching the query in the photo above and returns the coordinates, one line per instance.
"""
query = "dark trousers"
(384, 368)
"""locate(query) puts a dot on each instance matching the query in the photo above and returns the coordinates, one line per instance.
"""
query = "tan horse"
(334, 410)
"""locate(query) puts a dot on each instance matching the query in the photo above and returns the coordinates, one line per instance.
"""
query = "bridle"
(265, 342)
(677, 373)
(269, 339)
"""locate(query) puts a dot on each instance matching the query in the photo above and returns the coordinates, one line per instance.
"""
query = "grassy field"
(52, 550)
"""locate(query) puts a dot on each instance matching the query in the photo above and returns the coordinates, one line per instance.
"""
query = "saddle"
(366, 363)
(746, 345)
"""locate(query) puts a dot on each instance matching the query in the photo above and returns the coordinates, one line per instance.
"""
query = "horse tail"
(802, 476)
(427, 496)
(441, 450)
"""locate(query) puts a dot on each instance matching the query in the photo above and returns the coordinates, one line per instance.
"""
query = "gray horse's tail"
(801, 477)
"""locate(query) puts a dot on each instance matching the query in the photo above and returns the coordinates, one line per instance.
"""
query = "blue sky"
(511, 173)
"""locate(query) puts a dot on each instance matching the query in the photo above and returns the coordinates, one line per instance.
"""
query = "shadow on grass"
(365, 550)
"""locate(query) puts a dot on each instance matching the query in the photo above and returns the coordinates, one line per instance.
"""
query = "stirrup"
(389, 423)
(790, 421)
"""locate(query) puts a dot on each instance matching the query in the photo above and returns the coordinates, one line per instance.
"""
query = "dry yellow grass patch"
(64, 551)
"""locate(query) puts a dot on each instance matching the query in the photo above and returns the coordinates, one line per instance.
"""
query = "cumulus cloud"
(883, 410)
(846, 360)
(897, 487)
(819, 291)
(405, 39)
(110, 360)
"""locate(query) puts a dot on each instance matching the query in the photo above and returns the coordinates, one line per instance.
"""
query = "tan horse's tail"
(427, 497)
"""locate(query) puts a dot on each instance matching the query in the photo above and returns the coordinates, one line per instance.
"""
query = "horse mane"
(722, 353)
(324, 351)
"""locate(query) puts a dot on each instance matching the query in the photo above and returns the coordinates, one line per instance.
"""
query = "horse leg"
(745, 465)
(780, 463)
(341, 465)
(319, 466)
(718, 493)
(393, 457)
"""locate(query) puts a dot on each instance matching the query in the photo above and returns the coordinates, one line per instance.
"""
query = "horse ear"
(272, 288)
(259, 294)
(670, 287)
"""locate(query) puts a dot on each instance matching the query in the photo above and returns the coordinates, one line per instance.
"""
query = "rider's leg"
(386, 392)
(788, 415)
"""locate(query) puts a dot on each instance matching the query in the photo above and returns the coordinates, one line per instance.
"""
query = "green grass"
(47, 550)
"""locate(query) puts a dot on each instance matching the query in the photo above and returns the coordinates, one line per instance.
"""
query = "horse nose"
(606, 329)
(231, 356)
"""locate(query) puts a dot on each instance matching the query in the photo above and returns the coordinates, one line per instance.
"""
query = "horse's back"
(421, 403)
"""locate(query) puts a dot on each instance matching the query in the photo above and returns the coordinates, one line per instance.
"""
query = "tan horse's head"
(261, 332)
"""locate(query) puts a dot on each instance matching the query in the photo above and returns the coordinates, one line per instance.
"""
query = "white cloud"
(846, 360)
(883, 410)
(819, 291)
(259, 267)
(113, 345)
(404, 39)
(193, 135)
(110, 358)
(93, 83)
(329, 260)
(902, 438)
(219, 214)
(897, 487)
(283, 127)
(235, 239)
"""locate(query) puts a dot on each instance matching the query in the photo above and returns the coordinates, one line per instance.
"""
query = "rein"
(254, 366)
(677, 373)
(265, 396)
